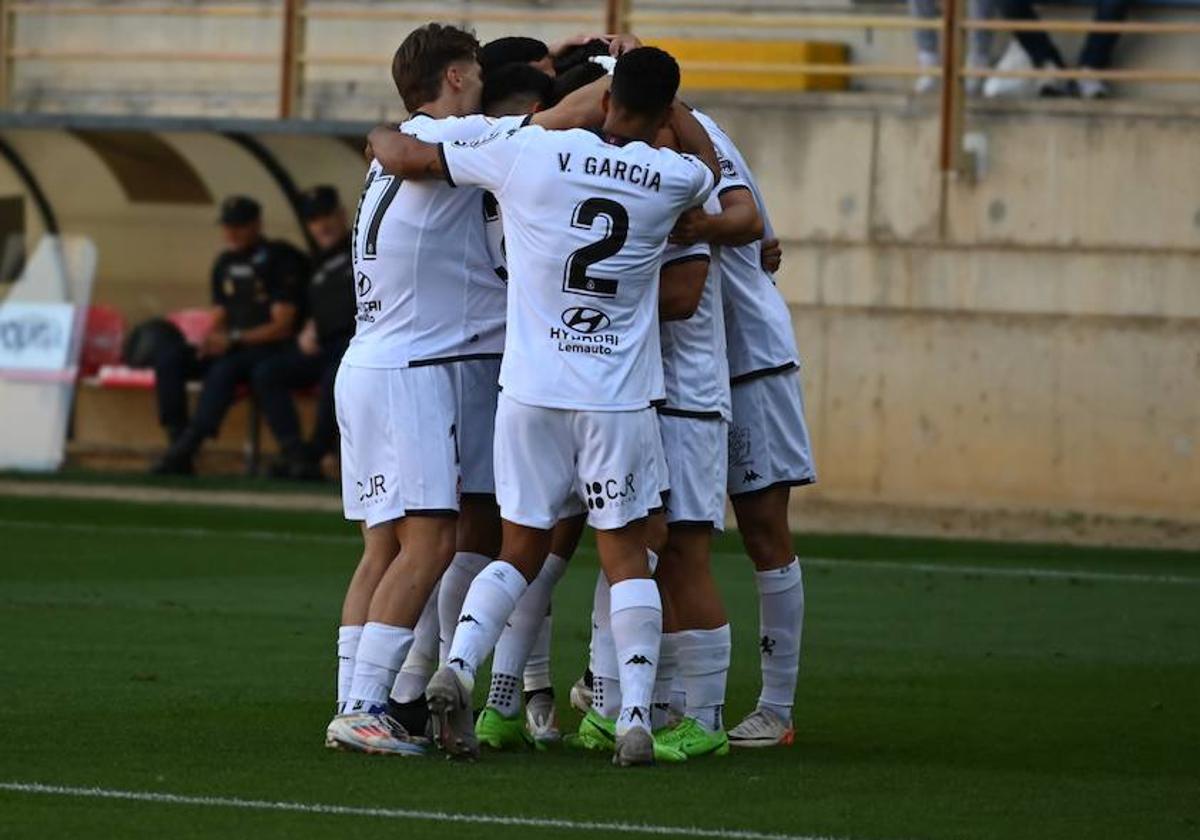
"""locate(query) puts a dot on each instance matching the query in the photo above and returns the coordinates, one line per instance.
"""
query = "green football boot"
(598, 729)
(500, 732)
(693, 740)
(597, 732)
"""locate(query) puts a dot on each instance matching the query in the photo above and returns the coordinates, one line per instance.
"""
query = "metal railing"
(297, 18)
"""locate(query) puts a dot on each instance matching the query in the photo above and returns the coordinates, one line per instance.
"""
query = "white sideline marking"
(1040, 573)
(397, 813)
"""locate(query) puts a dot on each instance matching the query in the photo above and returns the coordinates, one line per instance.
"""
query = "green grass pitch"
(948, 690)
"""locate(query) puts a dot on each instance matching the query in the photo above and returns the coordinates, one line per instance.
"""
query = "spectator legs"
(979, 46)
(927, 39)
(172, 369)
(274, 380)
(1038, 44)
(218, 390)
(1098, 47)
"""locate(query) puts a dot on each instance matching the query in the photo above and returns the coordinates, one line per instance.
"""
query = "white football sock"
(453, 589)
(490, 601)
(512, 649)
(347, 647)
(381, 651)
(704, 666)
(537, 666)
(637, 631)
(606, 682)
(668, 661)
(780, 621)
(421, 661)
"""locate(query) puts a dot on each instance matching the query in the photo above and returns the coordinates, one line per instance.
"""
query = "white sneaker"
(375, 734)
(541, 719)
(1014, 58)
(1093, 88)
(929, 82)
(762, 728)
(581, 697)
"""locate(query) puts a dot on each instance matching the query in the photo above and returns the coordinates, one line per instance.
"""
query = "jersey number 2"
(575, 276)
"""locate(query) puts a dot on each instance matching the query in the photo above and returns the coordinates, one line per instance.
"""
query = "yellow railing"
(298, 17)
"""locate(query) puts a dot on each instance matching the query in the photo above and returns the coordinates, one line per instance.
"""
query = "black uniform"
(331, 304)
(245, 284)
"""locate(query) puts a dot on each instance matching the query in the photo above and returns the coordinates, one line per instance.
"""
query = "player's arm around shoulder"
(681, 281)
(694, 140)
(405, 156)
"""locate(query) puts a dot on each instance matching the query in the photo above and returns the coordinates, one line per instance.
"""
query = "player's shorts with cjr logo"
(768, 438)
(544, 456)
(399, 441)
(477, 382)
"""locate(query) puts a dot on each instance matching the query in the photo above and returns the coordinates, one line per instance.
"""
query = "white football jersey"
(758, 326)
(585, 224)
(695, 364)
(427, 291)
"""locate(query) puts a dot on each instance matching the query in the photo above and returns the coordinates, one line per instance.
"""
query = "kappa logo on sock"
(459, 661)
(636, 714)
(638, 659)
(767, 645)
(468, 619)
(499, 574)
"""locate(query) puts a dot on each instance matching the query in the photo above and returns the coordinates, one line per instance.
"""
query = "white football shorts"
(399, 453)
(697, 463)
(478, 385)
(546, 455)
(768, 438)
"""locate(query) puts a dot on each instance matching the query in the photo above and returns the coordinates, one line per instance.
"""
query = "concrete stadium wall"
(1042, 359)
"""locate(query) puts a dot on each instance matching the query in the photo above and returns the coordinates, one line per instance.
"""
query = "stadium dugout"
(145, 190)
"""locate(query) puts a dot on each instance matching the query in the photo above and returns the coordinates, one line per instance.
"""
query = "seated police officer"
(314, 357)
(257, 289)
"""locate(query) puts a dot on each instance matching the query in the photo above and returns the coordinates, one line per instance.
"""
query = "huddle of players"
(528, 337)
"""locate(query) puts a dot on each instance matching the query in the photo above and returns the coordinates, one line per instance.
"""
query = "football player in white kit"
(769, 448)
(419, 254)
(586, 217)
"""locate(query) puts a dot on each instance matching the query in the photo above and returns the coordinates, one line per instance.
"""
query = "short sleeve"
(487, 161)
(675, 254)
(731, 175)
(699, 179)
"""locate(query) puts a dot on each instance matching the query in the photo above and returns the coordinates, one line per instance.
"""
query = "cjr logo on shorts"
(371, 489)
(585, 320)
(610, 492)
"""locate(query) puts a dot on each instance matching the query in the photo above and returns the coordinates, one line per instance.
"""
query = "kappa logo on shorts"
(750, 476)
(610, 492)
